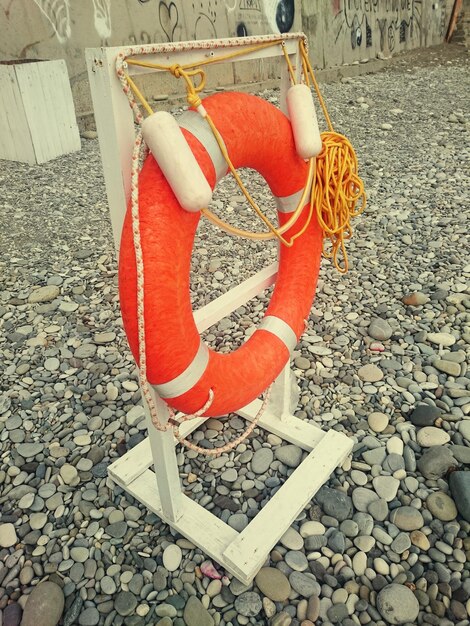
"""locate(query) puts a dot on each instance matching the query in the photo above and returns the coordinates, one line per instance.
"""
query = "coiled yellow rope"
(339, 191)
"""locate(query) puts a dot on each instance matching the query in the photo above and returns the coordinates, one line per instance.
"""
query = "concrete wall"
(340, 31)
(51, 29)
(347, 31)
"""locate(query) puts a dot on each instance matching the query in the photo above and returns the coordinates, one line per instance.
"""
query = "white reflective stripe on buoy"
(281, 329)
(303, 119)
(187, 379)
(168, 145)
(197, 126)
(288, 204)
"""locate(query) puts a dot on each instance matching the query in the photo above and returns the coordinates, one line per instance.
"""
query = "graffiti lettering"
(102, 17)
(393, 21)
(58, 14)
(210, 19)
(382, 23)
(169, 18)
(250, 5)
(285, 15)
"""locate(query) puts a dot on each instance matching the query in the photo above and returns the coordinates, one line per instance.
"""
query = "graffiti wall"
(51, 29)
(339, 31)
(348, 31)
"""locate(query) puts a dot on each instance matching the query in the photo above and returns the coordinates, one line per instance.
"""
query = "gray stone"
(375, 456)
(44, 606)
(281, 619)
(85, 351)
(165, 610)
(248, 604)
(407, 518)
(380, 329)
(104, 337)
(441, 506)
(8, 537)
(336, 542)
(52, 364)
(386, 487)
(76, 572)
(302, 363)
(362, 498)
(195, 613)
(315, 542)
(430, 436)
(303, 584)
(460, 487)
(89, 617)
(29, 450)
(370, 373)
(79, 554)
(172, 556)
(401, 543)
(424, 415)
(262, 459)
(116, 530)
(230, 475)
(461, 453)
(378, 421)
(435, 462)
(292, 540)
(68, 473)
(464, 429)
(273, 584)
(448, 367)
(393, 462)
(289, 455)
(337, 613)
(125, 603)
(12, 615)
(296, 560)
(44, 294)
(108, 586)
(397, 604)
(238, 521)
(335, 503)
(349, 528)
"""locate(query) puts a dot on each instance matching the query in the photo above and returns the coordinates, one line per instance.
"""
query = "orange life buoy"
(180, 366)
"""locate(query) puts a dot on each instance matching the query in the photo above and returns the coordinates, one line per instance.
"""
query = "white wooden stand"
(149, 471)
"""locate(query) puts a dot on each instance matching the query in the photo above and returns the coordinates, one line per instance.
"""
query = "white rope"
(228, 446)
(139, 259)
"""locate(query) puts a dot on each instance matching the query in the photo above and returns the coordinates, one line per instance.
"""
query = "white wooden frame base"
(242, 554)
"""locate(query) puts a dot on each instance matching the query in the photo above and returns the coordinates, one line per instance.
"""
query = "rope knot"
(194, 100)
(176, 70)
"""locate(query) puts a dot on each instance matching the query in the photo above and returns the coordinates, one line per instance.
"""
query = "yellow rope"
(139, 94)
(289, 64)
(282, 229)
(184, 71)
(337, 192)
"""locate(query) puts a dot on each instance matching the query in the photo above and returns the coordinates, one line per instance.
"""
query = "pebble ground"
(385, 361)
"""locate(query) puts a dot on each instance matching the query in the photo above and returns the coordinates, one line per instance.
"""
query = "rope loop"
(215, 452)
